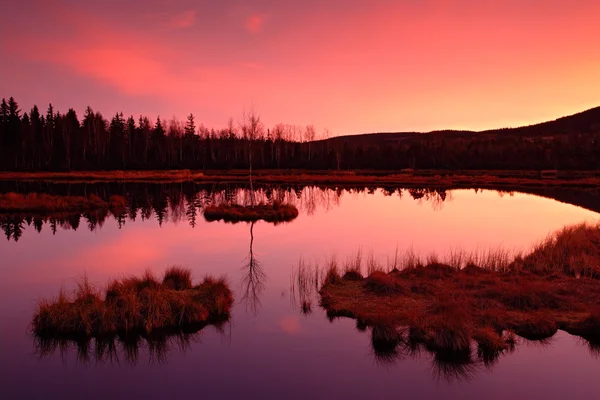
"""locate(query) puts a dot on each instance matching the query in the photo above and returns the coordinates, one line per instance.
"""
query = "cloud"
(254, 24)
(182, 20)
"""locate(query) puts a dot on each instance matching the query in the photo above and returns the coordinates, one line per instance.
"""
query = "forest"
(55, 141)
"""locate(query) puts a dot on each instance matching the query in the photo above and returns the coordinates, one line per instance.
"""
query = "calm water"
(270, 349)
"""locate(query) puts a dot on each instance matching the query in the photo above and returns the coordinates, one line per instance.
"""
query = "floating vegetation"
(134, 306)
(275, 212)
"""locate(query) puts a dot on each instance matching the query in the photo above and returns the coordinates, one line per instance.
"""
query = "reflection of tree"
(12, 227)
(304, 286)
(436, 197)
(253, 282)
(175, 202)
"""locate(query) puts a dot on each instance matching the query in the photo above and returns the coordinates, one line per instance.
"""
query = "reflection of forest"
(185, 201)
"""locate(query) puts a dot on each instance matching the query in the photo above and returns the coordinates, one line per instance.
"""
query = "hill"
(581, 123)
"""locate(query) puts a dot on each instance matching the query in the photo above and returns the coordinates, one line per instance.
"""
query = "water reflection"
(131, 349)
(178, 202)
(390, 345)
(254, 277)
(185, 201)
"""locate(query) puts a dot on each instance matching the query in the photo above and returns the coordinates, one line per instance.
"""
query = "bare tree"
(253, 282)
(252, 128)
(309, 136)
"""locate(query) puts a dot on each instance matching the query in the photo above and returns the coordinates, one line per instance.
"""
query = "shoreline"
(439, 178)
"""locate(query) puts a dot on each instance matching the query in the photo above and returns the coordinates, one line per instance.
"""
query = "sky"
(348, 66)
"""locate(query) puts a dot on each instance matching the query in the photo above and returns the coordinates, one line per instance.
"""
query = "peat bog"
(444, 306)
(129, 310)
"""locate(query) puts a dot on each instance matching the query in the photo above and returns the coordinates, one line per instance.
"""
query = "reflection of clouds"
(290, 324)
(139, 247)
(125, 249)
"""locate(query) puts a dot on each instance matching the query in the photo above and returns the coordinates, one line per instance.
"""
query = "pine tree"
(190, 127)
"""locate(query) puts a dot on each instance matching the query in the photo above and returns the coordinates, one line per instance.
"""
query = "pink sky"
(349, 66)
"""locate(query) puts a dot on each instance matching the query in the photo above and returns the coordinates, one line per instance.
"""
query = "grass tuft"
(177, 278)
(275, 213)
(133, 306)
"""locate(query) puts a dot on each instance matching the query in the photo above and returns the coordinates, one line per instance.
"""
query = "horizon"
(348, 67)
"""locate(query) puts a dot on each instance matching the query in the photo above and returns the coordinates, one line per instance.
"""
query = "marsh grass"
(304, 285)
(572, 251)
(42, 202)
(275, 212)
(133, 306)
(447, 304)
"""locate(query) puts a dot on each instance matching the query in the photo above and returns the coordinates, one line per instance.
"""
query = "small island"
(275, 213)
(134, 306)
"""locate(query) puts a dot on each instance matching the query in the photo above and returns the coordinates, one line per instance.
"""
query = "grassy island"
(445, 306)
(134, 306)
(275, 212)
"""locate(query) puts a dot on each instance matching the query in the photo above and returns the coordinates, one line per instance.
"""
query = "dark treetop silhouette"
(30, 141)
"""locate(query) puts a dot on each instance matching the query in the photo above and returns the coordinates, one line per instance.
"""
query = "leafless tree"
(252, 128)
(253, 282)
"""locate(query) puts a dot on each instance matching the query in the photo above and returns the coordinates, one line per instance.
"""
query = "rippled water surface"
(270, 348)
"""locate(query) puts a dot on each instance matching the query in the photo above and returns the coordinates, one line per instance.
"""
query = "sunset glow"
(349, 66)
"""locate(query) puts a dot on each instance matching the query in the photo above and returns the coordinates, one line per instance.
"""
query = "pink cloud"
(182, 20)
(254, 24)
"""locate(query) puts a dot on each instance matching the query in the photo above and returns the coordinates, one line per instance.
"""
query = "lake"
(270, 348)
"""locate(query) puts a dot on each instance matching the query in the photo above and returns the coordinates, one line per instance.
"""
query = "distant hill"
(580, 123)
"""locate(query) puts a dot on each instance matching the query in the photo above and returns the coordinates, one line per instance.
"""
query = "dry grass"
(40, 202)
(178, 278)
(572, 251)
(131, 306)
(182, 175)
(275, 213)
(446, 307)
(420, 178)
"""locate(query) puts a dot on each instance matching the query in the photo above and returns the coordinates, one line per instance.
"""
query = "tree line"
(55, 141)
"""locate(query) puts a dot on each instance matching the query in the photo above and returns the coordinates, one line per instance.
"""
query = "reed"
(135, 305)
(448, 303)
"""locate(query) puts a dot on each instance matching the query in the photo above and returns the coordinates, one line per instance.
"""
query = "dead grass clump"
(134, 306)
(215, 295)
(537, 327)
(385, 339)
(352, 276)
(572, 251)
(489, 341)
(383, 284)
(430, 271)
(588, 328)
(275, 213)
(177, 278)
(446, 325)
(332, 276)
